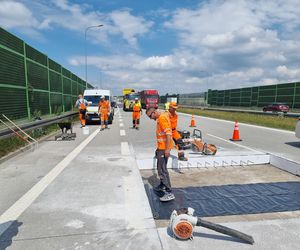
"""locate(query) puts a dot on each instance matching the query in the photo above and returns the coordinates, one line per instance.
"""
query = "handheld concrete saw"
(183, 221)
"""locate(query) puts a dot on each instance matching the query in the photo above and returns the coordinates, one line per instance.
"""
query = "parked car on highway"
(277, 107)
(297, 131)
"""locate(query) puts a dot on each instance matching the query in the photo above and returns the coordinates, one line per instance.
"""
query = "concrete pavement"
(98, 200)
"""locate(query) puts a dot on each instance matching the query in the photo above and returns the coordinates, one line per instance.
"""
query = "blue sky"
(175, 46)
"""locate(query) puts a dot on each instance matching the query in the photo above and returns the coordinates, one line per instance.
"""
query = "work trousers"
(162, 169)
(82, 116)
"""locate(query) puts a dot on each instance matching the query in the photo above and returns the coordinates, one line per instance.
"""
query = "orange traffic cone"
(236, 133)
(193, 124)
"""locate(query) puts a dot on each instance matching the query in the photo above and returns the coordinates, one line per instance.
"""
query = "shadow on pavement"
(7, 231)
(295, 144)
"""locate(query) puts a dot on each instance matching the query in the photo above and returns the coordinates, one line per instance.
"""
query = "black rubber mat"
(229, 199)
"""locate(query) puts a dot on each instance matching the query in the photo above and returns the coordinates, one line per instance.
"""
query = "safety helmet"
(102, 97)
(136, 99)
(173, 105)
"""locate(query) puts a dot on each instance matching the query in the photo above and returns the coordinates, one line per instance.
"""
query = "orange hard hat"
(173, 105)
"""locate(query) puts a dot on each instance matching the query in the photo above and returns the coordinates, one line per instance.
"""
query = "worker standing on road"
(81, 104)
(136, 114)
(164, 146)
(167, 106)
(104, 112)
(175, 134)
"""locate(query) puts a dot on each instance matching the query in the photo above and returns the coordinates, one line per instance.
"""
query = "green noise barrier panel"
(68, 102)
(56, 103)
(66, 85)
(37, 76)
(33, 84)
(39, 103)
(288, 93)
(55, 82)
(14, 104)
(12, 68)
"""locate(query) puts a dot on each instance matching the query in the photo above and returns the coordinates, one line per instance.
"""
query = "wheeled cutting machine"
(196, 143)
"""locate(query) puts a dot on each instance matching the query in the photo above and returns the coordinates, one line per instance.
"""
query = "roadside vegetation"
(13, 143)
(278, 121)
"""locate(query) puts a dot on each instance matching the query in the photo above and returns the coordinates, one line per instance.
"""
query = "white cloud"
(14, 14)
(74, 17)
(193, 80)
(157, 62)
(130, 26)
(290, 73)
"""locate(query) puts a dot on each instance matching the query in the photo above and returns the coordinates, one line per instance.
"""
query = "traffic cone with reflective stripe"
(193, 123)
(236, 133)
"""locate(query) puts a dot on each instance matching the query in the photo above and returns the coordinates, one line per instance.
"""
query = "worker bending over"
(136, 114)
(81, 104)
(104, 112)
(164, 146)
(175, 134)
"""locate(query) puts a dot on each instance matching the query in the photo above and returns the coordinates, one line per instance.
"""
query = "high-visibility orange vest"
(173, 120)
(104, 106)
(163, 128)
(136, 107)
(81, 104)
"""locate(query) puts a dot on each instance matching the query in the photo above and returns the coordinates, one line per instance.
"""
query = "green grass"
(287, 123)
(13, 143)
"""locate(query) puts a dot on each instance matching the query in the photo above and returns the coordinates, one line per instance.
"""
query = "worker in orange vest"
(81, 104)
(136, 114)
(164, 146)
(104, 112)
(175, 134)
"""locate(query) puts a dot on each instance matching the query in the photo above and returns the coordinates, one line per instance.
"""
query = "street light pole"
(94, 26)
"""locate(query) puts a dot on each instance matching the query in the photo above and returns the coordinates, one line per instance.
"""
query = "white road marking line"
(117, 112)
(125, 148)
(242, 146)
(122, 132)
(240, 123)
(12, 213)
(121, 124)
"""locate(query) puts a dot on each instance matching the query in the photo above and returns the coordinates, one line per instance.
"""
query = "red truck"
(149, 98)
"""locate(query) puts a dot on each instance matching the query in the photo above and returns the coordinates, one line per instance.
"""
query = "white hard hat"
(136, 99)
(102, 97)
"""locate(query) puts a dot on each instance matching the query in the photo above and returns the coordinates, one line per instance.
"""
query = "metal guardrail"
(242, 111)
(37, 124)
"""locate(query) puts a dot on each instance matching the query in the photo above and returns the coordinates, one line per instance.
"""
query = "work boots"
(181, 157)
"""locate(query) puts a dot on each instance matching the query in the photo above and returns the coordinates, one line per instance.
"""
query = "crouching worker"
(164, 146)
(81, 104)
(104, 112)
(136, 114)
(175, 134)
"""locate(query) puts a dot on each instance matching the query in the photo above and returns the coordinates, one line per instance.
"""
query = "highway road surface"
(89, 193)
